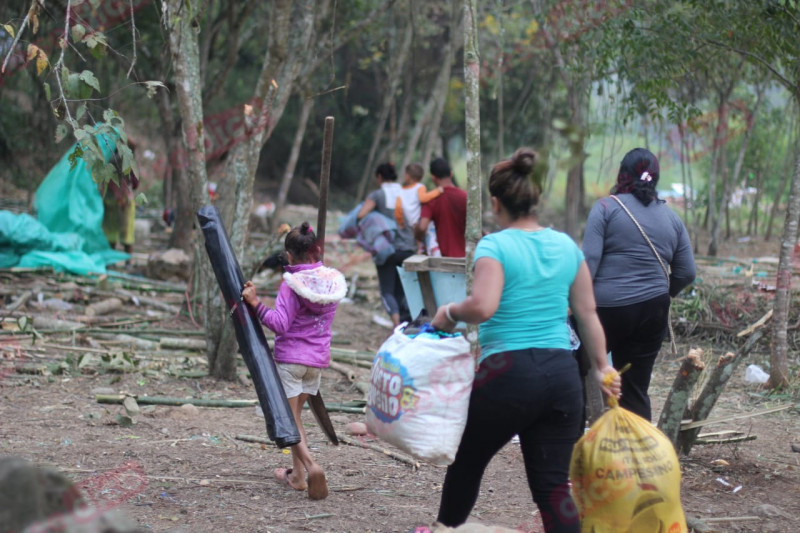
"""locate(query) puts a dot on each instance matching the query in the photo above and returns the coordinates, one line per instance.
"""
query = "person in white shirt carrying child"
(409, 206)
(301, 319)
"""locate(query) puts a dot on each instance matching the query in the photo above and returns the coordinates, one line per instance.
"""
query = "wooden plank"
(424, 263)
(447, 264)
(426, 287)
(707, 421)
(416, 263)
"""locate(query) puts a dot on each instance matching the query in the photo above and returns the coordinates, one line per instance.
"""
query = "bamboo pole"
(351, 361)
(355, 354)
(709, 421)
(341, 408)
(394, 455)
(166, 400)
(103, 307)
(344, 370)
(675, 406)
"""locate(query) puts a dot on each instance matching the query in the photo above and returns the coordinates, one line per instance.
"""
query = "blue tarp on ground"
(68, 234)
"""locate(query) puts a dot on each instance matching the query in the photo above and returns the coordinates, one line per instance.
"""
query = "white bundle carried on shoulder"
(419, 394)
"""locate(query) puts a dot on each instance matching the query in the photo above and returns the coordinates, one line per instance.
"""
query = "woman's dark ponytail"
(638, 175)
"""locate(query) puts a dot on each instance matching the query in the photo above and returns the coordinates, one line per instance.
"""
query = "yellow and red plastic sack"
(626, 477)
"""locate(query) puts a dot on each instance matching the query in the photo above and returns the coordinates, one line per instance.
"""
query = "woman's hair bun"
(523, 161)
(304, 228)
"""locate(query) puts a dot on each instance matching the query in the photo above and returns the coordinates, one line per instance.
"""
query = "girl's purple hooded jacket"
(303, 314)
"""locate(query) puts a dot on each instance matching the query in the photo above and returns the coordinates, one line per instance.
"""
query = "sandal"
(317, 486)
(282, 475)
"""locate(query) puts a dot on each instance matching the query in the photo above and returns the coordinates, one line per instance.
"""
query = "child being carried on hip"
(301, 319)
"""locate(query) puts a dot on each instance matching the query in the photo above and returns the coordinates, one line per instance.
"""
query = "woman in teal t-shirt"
(528, 384)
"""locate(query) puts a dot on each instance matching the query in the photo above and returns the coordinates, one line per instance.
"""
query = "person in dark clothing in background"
(383, 200)
(448, 212)
(629, 254)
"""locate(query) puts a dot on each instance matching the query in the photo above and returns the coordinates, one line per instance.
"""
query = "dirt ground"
(182, 470)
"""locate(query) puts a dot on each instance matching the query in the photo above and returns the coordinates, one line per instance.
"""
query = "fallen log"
(133, 342)
(182, 344)
(103, 307)
(712, 390)
(676, 403)
(45, 323)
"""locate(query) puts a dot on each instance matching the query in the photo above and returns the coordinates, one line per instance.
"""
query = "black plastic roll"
(281, 426)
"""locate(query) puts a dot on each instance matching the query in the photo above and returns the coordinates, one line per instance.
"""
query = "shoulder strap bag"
(664, 267)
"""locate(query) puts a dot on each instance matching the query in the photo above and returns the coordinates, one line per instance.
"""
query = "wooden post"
(678, 399)
(324, 181)
(712, 390)
(315, 402)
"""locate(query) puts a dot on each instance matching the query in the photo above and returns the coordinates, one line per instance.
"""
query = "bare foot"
(284, 475)
(317, 485)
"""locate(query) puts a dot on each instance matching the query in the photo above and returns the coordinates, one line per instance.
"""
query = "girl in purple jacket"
(301, 319)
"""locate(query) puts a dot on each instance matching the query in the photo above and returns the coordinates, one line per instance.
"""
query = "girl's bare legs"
(302, 461)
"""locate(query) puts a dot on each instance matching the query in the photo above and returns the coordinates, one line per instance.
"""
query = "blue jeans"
(536, 394)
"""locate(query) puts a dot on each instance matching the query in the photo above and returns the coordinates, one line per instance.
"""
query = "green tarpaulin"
(67, 233)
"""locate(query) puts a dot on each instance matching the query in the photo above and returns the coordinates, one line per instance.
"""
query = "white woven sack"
(419, 394)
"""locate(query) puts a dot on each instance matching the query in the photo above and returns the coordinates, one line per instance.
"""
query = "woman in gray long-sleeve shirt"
(630, 286)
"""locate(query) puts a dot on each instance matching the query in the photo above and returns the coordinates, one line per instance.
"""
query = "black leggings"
(537, 395)
(634, 334)
(392, 295)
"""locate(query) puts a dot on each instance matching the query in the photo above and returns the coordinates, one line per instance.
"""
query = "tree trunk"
(416, 134)
(782, 186)
(260, 120)
(737, 167)
(752, 221)
(180, 18)
(779, 367)
(576, 96)
(442, 86)
(678, 399)
(712, 390)
(472, 142)
(396, 69)
(693, 229)
(713, 213)
(176, 180)
(294, 155)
